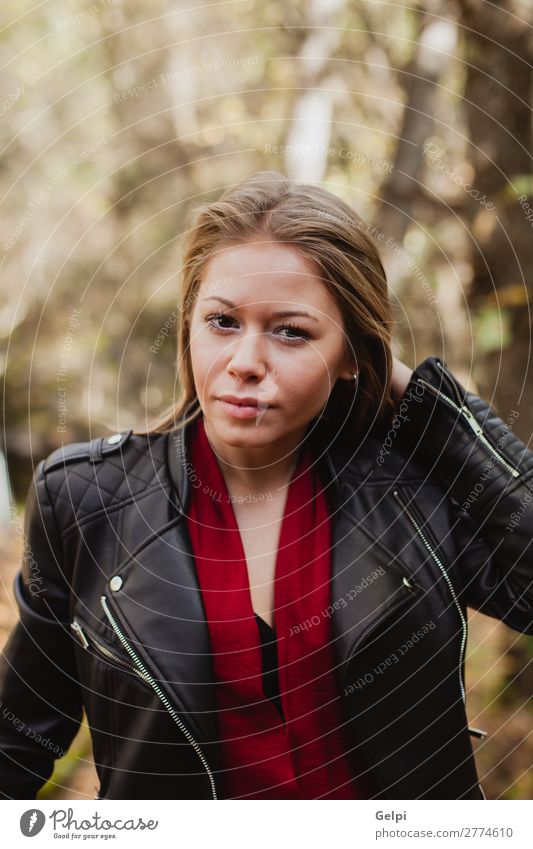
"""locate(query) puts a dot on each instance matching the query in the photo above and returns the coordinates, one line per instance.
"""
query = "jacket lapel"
(160, 607)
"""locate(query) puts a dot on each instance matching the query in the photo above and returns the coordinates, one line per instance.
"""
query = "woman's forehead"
(253, 257)
(286, 281)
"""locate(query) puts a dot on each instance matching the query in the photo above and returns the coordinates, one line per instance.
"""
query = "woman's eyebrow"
(282, 314)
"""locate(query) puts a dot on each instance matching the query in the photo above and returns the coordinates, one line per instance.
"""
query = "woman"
(264, 594)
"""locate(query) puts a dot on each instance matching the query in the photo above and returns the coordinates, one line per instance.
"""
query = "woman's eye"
(294, 328)
(210, 319)
(213, 319)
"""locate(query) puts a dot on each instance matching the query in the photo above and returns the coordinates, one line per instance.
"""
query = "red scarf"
(261, 756)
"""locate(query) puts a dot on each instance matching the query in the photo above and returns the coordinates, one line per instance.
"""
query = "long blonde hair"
(324, 229)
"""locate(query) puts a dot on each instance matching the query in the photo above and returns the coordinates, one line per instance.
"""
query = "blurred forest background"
(116, 118)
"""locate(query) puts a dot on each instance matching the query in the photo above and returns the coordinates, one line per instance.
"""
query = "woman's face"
(240, 346)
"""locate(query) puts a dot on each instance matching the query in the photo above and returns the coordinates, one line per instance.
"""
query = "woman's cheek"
(307, 389)
(205, 361)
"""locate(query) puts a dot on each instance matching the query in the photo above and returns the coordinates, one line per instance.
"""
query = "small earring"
(355, 377)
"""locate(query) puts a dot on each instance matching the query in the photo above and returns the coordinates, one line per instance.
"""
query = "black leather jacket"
(428, 518)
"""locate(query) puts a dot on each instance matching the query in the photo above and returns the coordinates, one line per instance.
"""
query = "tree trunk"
(497, 53)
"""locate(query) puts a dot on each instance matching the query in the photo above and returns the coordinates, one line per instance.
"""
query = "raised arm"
(488, 471)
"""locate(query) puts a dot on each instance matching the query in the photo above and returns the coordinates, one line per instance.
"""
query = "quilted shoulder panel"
(84, 478)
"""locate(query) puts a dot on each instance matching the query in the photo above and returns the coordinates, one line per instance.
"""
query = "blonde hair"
(325, 230)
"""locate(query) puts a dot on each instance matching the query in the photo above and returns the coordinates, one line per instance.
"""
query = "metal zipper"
(448, 581)
(468, 415)
(143, 672)
(88, 640)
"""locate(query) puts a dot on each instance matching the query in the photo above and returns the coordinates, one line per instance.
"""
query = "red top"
(261, 756)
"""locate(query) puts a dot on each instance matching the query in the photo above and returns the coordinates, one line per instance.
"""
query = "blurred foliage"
(67, 769)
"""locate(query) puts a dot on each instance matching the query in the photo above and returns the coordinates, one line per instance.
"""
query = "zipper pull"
(472, 421)
(410, 584)
(78, 630)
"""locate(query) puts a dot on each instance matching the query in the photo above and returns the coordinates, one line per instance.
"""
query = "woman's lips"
(243, 411)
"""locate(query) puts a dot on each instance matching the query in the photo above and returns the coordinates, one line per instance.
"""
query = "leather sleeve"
(488, 473)
(40, 699)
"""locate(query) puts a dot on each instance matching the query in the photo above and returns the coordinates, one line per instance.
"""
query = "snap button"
(115, 583)
(112, 440)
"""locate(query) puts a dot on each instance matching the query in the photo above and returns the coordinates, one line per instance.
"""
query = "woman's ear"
(348, 373)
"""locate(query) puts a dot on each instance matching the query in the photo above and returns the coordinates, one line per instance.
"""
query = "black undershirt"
(270, 662)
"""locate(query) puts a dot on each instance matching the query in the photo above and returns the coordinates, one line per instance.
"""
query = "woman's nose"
(247, 355)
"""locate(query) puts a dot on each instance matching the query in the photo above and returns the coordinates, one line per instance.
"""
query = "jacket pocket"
(408, 591)
(103, 652)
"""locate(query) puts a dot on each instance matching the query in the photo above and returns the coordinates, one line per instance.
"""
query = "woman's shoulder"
(84, 477)
(93, 450)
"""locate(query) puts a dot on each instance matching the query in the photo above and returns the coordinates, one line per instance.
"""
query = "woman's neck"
(270, 481)
(254, 471)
